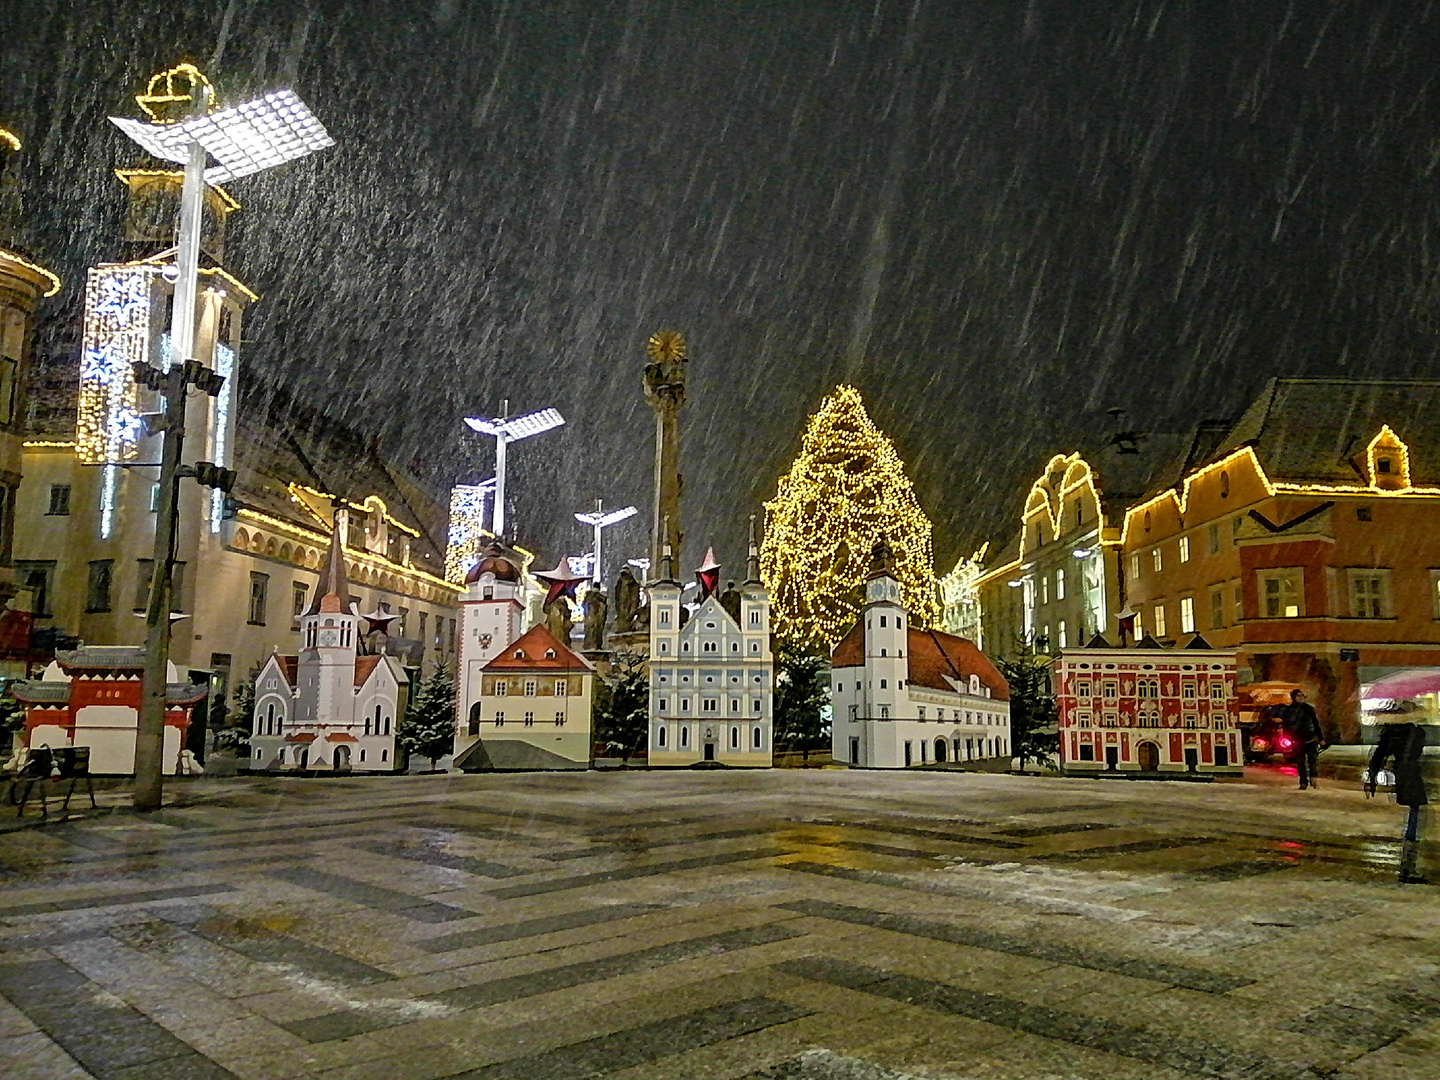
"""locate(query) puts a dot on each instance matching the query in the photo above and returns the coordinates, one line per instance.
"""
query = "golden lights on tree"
(845, 489)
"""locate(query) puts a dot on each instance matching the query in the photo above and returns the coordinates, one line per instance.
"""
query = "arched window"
(271, 728)
(660, 737)
(1224, 484)
(387, 725)
(684, 737)
(755, 736)
(367, 723)
(474, 728)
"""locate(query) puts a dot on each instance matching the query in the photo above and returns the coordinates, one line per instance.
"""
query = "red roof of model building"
(931, 656)
(538, 650)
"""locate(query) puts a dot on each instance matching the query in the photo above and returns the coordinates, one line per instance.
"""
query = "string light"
(117, 332)
(228, 202)
(845, 489)
(467, 536)
(960, 593)
(35, 268)
(225, 367)
(9, 138)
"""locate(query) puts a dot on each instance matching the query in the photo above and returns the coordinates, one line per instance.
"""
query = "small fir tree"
(235, 733)
(845, 489)
(1034, 722)
(802, 699)
(429, 725)
(622, 706)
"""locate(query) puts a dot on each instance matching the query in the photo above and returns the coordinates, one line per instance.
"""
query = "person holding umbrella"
(1300, 720)
(1403, 741)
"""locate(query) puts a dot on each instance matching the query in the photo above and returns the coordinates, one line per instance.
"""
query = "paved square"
(785, 924)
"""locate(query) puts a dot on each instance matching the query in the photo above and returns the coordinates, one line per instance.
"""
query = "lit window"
(1158, 611)
(1187, 615)
(1135, 565)
(1045, 589)
(1063, 640)
(1184, 549)
(1157, 560)
(1059, 584)
(1281, 593)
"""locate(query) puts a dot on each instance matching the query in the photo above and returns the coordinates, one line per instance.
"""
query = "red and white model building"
(1148, 709)
(91, 697)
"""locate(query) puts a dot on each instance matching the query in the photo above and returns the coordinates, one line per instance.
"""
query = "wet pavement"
(788, 924)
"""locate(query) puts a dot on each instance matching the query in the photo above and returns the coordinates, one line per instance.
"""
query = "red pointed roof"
(538, 650)
(333, 581)
(931, 655)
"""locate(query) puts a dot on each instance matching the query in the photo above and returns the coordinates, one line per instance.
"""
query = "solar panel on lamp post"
(601, 520)
(243, 139)
(505, 430)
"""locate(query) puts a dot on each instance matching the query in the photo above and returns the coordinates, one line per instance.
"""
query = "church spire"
(752, 559)
(333, 581)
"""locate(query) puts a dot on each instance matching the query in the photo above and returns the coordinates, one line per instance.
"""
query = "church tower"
(328, 644)
(886, 634)
(491, 617)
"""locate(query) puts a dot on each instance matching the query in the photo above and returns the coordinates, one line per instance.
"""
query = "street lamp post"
(508, 429)
(600, 520)
(243, 139)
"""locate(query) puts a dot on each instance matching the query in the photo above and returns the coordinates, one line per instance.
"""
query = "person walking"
(1300, 719)
(1403, 741)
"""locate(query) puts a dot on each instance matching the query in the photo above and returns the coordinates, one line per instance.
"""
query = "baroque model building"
(712, 679)
(1148, 709)
(329, 707)
(906, 697)
(524, 699)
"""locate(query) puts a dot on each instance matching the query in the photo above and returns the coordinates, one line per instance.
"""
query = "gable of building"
(538, 650)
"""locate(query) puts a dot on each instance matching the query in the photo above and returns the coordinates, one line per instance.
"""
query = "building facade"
(91, 697)
(1059, 580)
(248, 566)
(329, 707)
(532, 709)
(712, 680)
(1148, 709)
(1308, 541)
(904, 697)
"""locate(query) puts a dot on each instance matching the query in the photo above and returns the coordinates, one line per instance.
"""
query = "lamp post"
(243, 139)
(600, 520)
(508, 429)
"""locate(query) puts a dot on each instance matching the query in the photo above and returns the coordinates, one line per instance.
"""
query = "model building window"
(298, 594)
(710, 704)
(755, 735)
(754, 618)
(529, 687)
(559, 719)
(755, 706)
(1082, 689)
(711, 646)
(529, 719)
(59, 500)
(1187, 614)
(97, 590)
(562, 687)
(664, 616)
(501, 688)
(684, 737)
(499, 718)
(1282, 593)
(1370, 593)
(1111, 689)
(424, 617)
(734, 738)
(259, 591)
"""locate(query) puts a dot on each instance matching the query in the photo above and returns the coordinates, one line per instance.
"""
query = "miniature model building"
(1148, 709)
(907, 697)
(532, 710)
(712, 680)
(328, 708)
(91, 697)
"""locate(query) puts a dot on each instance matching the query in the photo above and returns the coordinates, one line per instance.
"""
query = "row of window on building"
(681, 740)
(532, 688)
(1146, 687)
(1150, 718)
(709, 705)
(527, 719)
(258, 754)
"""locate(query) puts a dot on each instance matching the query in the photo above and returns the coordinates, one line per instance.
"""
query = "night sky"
(997, 219)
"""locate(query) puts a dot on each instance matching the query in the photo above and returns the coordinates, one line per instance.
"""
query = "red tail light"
(1284, 742)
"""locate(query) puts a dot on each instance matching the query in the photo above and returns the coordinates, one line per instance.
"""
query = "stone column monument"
(665, 391)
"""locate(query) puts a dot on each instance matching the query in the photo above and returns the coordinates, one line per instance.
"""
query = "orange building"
(1308, 540)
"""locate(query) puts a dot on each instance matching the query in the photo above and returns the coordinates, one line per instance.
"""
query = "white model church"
(712, 680)
(328, 707)
(905, 697)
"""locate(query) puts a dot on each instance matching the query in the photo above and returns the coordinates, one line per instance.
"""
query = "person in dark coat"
(1300, 720)
(1403, 742)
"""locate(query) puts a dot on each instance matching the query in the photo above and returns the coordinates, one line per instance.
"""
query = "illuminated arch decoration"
(1063, 477)
(168, 96)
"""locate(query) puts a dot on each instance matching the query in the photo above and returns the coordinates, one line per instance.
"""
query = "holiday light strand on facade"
(960, 595)
(50, 278)
(845, 489)
(117, 331)
(224, 367)
(467, 536)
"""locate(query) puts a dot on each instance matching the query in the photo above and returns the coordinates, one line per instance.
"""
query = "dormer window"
(519, 654)
(1383, 465)
(549, 654)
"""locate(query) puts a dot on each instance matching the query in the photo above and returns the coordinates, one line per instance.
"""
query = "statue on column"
(595, 610)
(730, 601)
(557, 619)
(627, 601)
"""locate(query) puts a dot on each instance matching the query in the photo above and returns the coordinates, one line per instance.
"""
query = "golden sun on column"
(666, 347)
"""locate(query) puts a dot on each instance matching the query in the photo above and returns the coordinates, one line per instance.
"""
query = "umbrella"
(1390, 711)
(1403, 684)
(1267, 693)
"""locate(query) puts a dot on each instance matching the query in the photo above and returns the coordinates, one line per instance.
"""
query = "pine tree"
(235, 733)
(622, 706)
(845, 489)
(802, 699)
(1034, 730)
(429, 725)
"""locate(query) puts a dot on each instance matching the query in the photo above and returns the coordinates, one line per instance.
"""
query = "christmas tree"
(844, 491)
(428, 728)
